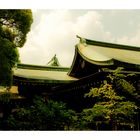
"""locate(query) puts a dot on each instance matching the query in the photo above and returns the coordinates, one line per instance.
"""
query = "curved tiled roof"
(104, 53)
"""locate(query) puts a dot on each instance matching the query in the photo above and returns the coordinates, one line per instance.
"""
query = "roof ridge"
(110, 45)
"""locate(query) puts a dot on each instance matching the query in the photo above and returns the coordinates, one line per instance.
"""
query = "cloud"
(133, 40)
(54, 32)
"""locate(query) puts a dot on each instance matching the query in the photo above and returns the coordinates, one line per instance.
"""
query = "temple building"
(92, 62)
(41, 79)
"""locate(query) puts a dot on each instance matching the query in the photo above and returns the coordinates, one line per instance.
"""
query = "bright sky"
(54, 32)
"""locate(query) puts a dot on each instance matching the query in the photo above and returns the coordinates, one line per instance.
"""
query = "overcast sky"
(54, 32)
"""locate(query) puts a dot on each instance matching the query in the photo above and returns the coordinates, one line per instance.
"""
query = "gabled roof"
(103, 53)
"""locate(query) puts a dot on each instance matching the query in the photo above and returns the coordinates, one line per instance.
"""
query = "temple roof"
(57, 74)
(41, 67)
(91, 56)
(103, 53)
(41, 74)
(94, 52)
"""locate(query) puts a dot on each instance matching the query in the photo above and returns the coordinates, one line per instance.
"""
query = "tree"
(112, 106)
(14, 26)
(41, 116)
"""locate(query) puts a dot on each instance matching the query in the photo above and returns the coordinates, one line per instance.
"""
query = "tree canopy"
(41, 115)
(14, 26)
(113, 105)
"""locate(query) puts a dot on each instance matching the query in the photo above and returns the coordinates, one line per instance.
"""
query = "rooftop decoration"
(54, 62)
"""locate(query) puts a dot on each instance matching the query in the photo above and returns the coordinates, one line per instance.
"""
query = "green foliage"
(115, 75)
(14, 26)
(42, 116)
(8, 56)
(112, 107)
(120, 83)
